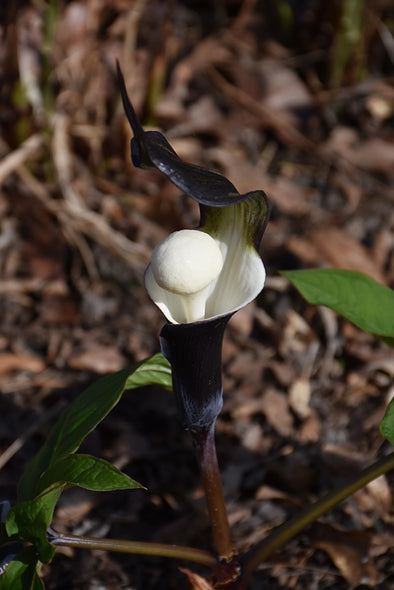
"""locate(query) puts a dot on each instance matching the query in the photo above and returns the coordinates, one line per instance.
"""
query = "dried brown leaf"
(97, 358)
(374, 154)
(290, 197)
(196, 581)
(380, 491)
(284, 89)
(310, 429)
(349, 551)
(10, 361)
(338, 248)
(299, 397)
(275, 407)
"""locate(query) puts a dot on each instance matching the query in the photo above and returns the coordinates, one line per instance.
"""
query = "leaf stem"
(135, 547)
(288, 530)
(204, 443)
(227, 573)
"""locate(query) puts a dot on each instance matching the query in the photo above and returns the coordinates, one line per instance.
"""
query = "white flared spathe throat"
(242, 276)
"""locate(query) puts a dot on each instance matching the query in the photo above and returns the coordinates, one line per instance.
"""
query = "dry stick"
(77, 239)
(94, 225)
(76, 218)
(131, 31)
(73, 202)
(12, 161)
(138, 85)
(288, 530)
(55, 207)
(18, 286)
(73, 215)
(63, 157)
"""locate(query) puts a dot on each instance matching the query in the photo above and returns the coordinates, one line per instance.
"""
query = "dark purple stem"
(204, 441)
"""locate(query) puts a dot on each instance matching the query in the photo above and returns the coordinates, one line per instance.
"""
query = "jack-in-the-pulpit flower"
(200, 277)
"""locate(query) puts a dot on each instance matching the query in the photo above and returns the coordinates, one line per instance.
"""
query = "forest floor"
(299, 103)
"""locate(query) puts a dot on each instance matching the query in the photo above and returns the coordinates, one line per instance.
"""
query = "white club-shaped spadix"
(185, 263)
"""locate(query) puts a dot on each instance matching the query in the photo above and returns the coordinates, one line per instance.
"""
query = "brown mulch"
(274, 105)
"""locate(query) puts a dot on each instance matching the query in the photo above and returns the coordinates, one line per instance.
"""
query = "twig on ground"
(12, 161)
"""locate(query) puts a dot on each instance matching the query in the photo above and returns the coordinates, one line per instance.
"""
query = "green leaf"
(21, 573)
(354, 295)
(155, 372)
(84, 414)
(30, 520)
(86, 472)
(387, 424)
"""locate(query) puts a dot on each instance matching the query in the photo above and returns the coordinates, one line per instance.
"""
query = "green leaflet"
(387, 424)
(155, 372)
(85, 413)
(56, 467)
(86, 472)
(354, 295)
(21, 574)
(30, 521)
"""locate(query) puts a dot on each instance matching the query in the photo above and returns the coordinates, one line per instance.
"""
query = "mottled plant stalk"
(204, 442)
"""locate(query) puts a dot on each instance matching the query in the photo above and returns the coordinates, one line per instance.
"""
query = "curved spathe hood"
(235, 221)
